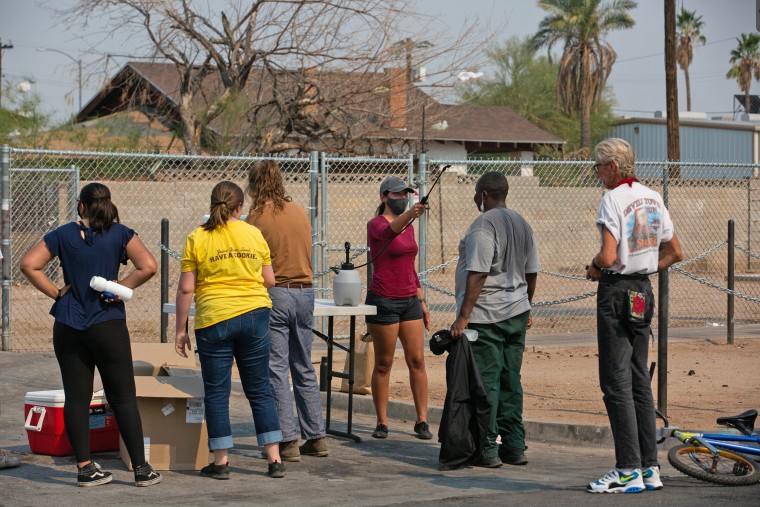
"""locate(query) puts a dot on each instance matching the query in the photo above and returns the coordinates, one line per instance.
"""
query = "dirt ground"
(706, 379)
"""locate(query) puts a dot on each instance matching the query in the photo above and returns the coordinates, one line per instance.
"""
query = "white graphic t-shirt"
(639, 221)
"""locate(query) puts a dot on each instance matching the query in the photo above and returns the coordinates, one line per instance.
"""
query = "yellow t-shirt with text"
(228, 261)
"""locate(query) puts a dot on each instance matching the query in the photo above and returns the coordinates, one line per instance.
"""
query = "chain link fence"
(558, 198)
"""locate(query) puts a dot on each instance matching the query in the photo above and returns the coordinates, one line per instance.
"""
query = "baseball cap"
(441, 342)
(394, 184)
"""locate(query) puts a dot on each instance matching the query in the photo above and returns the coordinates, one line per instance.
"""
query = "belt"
(293, 285)
(613, 275)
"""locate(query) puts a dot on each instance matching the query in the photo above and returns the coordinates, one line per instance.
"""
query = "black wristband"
(59, 295)
(595, 265)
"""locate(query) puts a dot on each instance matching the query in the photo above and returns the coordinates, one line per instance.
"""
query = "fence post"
(663, 288)
(323, 168)
(5, 233)
(422, 174)
(313, 207)
(164, 276)
(730, 301)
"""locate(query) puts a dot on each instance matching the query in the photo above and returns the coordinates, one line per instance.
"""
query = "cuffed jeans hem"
(214, 444)
(270, 437)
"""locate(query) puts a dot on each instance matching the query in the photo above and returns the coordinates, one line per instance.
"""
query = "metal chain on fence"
(702, 255)
(714, 285)
(569, 299)
(439, 266)
(173, 253)
(746, 251)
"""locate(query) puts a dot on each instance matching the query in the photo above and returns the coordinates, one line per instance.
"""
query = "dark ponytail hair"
(97, 207)
(380, 209)
(225, 198)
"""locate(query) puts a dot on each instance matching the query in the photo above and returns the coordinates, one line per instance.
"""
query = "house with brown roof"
(367, 113)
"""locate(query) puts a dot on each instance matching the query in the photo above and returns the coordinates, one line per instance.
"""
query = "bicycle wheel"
(731, 469)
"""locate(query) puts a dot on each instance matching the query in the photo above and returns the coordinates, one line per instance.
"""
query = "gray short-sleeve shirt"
(501, 243)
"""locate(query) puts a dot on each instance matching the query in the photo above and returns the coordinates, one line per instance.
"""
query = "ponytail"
(98, 208)
(225, 198)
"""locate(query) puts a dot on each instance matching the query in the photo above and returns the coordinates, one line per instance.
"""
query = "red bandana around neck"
(626, 180)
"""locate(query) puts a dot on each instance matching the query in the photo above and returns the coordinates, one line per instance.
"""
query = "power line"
(662, 53)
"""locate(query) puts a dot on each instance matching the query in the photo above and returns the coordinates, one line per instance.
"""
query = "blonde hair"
(621, 152)
(265, 184)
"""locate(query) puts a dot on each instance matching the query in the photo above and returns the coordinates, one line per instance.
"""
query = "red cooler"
(47, 433)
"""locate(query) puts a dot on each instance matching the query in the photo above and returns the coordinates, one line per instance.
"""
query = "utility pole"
(3, 47)
(671, 88)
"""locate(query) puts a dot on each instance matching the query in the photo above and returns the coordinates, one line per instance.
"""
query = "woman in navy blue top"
(91, 330)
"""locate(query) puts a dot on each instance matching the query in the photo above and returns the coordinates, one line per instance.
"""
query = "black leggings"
(105, 345)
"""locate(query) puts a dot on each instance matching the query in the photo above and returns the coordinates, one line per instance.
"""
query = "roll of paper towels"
(100, 284)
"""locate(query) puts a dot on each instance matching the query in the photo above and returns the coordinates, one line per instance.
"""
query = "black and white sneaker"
(91, 475)
(146, 476)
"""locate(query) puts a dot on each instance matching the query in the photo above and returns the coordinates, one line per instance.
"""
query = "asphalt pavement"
(401, 470)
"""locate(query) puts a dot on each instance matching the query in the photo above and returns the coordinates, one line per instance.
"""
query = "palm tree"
(745, 59)
(587, 58)
(689, 27)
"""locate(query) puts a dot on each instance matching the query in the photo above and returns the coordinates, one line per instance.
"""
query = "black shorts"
(393, 311)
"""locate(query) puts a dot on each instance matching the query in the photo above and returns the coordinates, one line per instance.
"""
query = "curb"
(541, 431)
(580, 435)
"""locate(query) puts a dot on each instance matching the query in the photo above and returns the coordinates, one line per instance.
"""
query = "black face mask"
(397, 206)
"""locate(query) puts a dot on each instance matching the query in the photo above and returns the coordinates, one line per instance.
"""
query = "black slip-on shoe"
(422, 431)
(218, 472)
(381, 431)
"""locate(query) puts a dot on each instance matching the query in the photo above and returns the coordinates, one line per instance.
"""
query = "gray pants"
(290, 351)
(623, 372)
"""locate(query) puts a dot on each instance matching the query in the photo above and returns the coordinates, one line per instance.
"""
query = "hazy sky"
(637, 79)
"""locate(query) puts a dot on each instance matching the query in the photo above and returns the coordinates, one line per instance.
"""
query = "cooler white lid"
(47, 398)
(56, 398)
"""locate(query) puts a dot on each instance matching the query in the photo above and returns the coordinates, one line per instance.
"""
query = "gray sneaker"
(8, 461)
(276, 470)
(493, 462)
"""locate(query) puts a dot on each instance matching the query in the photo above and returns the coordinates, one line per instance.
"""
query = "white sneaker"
(617, 482)
(651, 477)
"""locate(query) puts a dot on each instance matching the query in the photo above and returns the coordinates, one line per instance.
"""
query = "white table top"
(328, 308)
(322, 308)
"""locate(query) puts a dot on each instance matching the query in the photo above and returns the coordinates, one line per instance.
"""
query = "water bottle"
(471, 335)
(110, 289)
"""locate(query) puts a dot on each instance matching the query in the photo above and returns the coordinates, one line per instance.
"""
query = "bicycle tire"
(732, 469)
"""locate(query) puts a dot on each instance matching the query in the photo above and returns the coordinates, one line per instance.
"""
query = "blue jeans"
(290, 352)
(623, 371)
(246, 339)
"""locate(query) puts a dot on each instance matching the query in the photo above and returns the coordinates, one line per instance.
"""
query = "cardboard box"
(147, 358)
(46, 431)
(173, 422)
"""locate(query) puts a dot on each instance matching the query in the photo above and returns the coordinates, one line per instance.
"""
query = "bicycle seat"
(744, 422)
